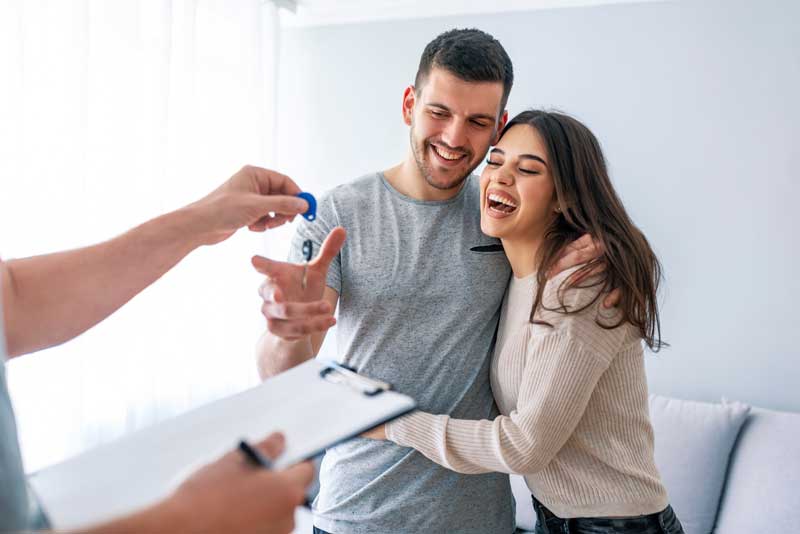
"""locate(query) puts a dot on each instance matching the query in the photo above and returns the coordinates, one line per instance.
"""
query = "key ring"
(308, 252)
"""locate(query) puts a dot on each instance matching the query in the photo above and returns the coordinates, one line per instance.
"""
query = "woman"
(567, 374)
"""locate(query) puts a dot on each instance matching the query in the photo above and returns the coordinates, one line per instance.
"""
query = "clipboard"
(316, 405)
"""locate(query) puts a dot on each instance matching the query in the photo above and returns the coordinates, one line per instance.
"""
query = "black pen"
(254, 455)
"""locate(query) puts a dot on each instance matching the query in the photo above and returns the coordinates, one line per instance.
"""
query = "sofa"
(729, 468)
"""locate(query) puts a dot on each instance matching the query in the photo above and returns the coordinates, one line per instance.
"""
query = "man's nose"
(455, 134)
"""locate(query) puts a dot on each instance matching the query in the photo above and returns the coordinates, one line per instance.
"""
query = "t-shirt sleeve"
(317, 231)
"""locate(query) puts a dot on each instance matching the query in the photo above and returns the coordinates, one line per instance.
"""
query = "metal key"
(308, 252)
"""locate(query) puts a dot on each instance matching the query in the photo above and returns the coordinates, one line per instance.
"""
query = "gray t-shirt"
(13, 492)
(419, 309)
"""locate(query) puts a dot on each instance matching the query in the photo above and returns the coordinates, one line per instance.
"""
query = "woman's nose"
(501, 176)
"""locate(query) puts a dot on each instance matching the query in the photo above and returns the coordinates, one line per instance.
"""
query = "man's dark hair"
(469, 54)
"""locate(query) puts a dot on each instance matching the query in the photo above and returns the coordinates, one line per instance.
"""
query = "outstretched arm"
(50, 299)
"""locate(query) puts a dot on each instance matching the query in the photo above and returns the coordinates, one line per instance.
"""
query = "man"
(47, 300)
(419, 288)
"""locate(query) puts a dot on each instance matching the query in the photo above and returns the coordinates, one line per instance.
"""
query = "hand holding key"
(292, 310)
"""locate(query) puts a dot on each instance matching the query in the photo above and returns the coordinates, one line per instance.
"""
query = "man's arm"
(50, 299)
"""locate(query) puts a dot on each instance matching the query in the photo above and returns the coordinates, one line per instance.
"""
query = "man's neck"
(409, 181)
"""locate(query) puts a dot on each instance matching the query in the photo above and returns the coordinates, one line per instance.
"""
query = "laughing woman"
(567, 373)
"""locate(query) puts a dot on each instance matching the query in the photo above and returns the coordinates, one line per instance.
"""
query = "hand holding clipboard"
(315, 406)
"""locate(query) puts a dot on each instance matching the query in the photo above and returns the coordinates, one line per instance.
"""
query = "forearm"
(50, 299)
(552, 399)
(275, 355)
(465, 446)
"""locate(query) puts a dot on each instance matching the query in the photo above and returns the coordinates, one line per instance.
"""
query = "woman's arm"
(564, 364)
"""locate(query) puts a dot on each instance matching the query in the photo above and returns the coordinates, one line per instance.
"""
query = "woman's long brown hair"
(589, 204)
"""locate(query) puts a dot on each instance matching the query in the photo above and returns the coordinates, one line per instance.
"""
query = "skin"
(50, 299)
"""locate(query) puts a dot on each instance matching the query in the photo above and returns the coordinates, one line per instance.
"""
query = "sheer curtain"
(111, 113)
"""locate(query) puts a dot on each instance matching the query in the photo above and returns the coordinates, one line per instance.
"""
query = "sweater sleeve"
(563, 364)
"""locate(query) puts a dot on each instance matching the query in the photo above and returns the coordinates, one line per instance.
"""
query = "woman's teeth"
(501, 203)
(446, 154)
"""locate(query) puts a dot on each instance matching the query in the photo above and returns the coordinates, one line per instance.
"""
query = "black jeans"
(664, 522)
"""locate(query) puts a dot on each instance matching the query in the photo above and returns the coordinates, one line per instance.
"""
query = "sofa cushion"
(526, 516)
(693, 443)
(763, 489)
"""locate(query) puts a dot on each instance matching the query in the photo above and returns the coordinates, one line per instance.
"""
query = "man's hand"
(580, 251)
(229, 495)
(254, 197)
(291, 311)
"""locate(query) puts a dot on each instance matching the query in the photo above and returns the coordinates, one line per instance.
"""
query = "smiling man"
(419, 289)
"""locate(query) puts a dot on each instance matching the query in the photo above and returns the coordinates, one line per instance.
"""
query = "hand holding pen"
(295, 309)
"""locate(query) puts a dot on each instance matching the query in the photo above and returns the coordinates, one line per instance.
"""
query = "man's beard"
(426, 170)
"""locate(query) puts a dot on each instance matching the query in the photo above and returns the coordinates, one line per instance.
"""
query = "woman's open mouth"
(500, 204)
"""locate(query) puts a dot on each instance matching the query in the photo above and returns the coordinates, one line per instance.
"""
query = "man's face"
(453, 123)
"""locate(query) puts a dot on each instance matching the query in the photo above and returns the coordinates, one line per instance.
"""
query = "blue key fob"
(311, 214)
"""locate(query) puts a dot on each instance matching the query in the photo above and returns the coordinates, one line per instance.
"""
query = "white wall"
(696, 106)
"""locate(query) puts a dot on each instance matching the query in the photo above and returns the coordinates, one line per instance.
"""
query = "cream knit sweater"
(575, 418)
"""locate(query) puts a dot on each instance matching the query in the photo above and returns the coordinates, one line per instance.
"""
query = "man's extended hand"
(291, 311)
(254, 197)
(580, 251)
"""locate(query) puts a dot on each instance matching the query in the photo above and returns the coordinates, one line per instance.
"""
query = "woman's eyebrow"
(534, 157)
(522, 156)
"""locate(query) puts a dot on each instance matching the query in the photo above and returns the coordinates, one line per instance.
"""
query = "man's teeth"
(502, 200)
(446, 154)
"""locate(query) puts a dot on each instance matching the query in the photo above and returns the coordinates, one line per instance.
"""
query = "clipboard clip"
(340, 374)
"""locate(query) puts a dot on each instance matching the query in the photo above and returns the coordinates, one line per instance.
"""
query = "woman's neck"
(521, 253)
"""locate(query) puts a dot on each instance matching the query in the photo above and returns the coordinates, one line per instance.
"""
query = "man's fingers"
(272, 446)
(280, 204)
(269, 267)
(582, 242)
(579, 276)
(612, 299)
(330, 248)
(297, 328)
(564, 262)
(295, 310)
(272, 182)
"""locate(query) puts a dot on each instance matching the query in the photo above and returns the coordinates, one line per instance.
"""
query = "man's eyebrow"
(522, 156)
(485, 116)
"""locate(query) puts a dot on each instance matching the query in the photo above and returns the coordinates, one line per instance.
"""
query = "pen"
(254, 456)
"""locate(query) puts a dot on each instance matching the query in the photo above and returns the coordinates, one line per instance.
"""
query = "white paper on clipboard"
(315, 405)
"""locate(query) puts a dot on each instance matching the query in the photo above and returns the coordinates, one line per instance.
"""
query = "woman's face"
(518, 197)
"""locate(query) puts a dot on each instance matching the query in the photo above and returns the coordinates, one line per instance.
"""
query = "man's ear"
(500, 125)
(409, 99)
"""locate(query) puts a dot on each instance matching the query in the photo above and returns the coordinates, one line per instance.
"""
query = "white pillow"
(526, 517)
(693, 445)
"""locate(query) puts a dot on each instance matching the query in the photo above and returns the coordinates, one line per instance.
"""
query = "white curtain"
(112, 112)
